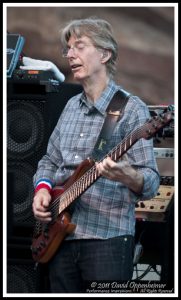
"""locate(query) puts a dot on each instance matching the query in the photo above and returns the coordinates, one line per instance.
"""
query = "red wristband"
(42, 186)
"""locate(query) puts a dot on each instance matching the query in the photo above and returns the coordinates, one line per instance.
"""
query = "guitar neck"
(87, 176)
(80, 185)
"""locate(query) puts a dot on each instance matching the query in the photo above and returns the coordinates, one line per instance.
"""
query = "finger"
(109, 162)
(106, 161)
(105, 172)
(43, 216)
(46, 202)
(101, 169)
(41, 201)
(39, 209)
(43, 220)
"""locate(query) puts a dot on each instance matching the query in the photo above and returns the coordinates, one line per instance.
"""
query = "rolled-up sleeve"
(151, 183)
(51, 161)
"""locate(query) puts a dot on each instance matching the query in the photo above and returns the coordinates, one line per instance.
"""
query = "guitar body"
(46, 244)
(48, 238)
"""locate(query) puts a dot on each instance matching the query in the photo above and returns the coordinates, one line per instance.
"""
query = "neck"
(93, 89)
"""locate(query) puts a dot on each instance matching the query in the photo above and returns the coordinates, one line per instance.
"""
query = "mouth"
(75, 67)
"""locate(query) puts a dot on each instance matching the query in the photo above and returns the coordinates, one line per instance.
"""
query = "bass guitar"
(47, 237)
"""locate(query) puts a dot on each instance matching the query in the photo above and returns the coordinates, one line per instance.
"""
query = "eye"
(80, 46)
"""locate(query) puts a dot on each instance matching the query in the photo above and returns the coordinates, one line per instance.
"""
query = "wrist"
(137, 182)
(134, 180)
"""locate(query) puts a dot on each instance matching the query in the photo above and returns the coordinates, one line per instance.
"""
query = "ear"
(105, 56)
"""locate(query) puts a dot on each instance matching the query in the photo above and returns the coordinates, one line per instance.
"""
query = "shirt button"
(76, 156)
(81, 134)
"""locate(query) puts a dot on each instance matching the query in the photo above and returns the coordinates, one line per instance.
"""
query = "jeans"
(80, 261)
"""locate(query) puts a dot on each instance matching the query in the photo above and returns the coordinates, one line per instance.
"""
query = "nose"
(70, 52)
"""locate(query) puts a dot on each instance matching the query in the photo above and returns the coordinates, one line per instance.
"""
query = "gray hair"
(101, 34)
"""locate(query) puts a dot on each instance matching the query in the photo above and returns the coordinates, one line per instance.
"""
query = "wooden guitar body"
(47, 243)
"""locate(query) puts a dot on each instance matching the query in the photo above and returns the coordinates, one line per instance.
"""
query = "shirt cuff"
(43, 183)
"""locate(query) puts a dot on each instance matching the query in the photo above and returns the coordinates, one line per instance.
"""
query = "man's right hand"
(40, 205)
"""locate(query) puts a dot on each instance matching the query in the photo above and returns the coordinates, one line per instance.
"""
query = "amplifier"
(33, 76)
(159, 203)
(155, 208)
(165, 156)
(34, 81)
(166, 166)
(164, 152)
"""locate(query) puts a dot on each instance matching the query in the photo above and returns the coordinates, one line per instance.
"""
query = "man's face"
(84, 58)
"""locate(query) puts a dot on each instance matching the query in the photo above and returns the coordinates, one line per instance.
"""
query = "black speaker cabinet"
(26, 143)
(32, 114)
(31, 117)
(23, 276)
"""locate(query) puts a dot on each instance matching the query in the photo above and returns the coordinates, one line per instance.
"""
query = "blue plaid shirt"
(107, 208)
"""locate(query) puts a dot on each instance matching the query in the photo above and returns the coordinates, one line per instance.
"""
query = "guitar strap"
(114, 113)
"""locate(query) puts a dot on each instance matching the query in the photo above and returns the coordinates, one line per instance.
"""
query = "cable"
(144, 273)
(138, 250)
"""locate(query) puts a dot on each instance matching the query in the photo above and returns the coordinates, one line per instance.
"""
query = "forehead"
(81, 39)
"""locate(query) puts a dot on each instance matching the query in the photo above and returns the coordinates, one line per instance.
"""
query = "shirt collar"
(103, 101)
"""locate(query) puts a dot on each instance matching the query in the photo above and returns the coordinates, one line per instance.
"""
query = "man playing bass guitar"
(99, 244)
